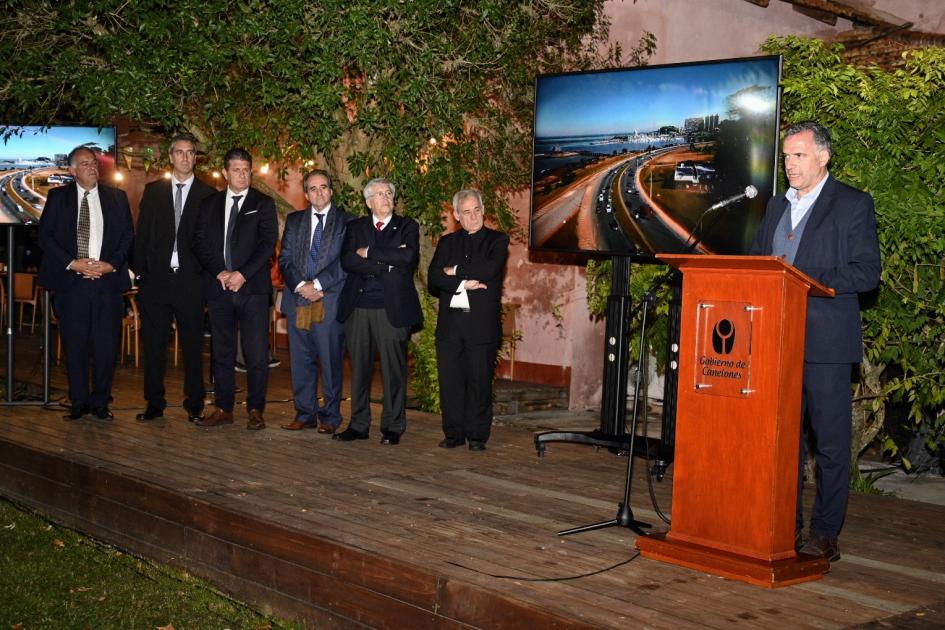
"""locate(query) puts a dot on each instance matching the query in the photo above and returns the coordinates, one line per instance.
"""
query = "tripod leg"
(589, 528)
(624, 512)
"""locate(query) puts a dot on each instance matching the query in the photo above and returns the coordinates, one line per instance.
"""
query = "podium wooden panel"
(738, 420)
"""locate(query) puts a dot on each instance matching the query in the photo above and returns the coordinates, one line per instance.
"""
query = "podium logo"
(723, 337)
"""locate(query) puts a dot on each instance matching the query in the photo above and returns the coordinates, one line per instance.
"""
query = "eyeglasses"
(383, 193)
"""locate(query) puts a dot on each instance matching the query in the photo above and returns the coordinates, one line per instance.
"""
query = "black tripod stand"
(624, 516)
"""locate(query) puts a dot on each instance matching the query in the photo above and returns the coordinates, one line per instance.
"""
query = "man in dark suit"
(379, 307)
(169, 276)
(310, 261)
(466, 274)
(86, 232)
(235, 239)
(827, 230)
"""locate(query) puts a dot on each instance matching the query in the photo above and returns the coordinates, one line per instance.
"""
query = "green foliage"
(425, 378)
(644, 279)
(866, 484)
(889, 139)
(359, 86)
(53, 577)
(435, 94)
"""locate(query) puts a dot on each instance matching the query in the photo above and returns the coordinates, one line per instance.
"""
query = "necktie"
(227, 244)
(379, 225)
(316, 243)
(83, 227)
(178, 209)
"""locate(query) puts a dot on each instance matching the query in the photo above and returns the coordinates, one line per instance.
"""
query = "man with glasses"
(85, 233)
(379, 307)
(235, 240)
(466, 274)
(310, 261)
(169, 277)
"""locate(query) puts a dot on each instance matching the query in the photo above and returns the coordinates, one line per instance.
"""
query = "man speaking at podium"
(827, 230)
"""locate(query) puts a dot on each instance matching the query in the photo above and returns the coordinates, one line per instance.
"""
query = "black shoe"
(76, 412)
(195, 416)
(240, 367)
(476, 445)
(349, 435)
(451, 443)
(274, 362)
(390, 438)
(103, 413)
(151, 413)
(821, 546)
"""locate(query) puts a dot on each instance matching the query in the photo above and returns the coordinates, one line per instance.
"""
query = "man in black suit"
(235, 239)
(379, 307)
(86, 232)
(827, 230)
(466, 274)
(169, 276)
(310, 261)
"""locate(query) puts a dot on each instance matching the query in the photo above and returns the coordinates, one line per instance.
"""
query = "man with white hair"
(466, 275)
(380, 308)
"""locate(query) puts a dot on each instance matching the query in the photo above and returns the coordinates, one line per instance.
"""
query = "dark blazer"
(328, 271)
(485, 261)
(58, 239)
(840, 249)
(154, 239)
(254, 241)
(394, 263)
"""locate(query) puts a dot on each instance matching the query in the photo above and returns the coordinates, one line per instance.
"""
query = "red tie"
(379, 225)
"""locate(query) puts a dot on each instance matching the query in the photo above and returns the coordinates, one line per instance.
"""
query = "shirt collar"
(810, 197)
(187, 182)
(92, 191)
(375, 220)
(324, 212)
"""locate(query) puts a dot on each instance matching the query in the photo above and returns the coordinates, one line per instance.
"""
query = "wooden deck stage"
(414, 536)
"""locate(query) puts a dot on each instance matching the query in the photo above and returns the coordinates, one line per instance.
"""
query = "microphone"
(750, 193)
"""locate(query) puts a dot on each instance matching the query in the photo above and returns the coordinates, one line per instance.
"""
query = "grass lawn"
(54, 577)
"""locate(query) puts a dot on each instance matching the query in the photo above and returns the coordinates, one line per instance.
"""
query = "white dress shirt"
(96, 223)
(183, 202)
(311, 236)
(801, 206)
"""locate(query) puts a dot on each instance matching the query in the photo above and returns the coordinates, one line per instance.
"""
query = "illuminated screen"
(630, 161)
(33, 160)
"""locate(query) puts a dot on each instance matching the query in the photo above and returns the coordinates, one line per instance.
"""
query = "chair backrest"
(24, 286)
(131, 317)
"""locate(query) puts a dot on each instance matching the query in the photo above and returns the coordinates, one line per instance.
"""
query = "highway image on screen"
(630, 161)
(34, 159)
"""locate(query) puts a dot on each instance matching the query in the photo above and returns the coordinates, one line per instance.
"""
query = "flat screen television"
(33, 160)
(631, 161)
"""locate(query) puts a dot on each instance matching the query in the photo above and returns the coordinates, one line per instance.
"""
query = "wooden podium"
(741, 364)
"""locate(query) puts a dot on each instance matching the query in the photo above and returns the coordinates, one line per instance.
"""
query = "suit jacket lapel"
(818, 213)
(105, 201)
(166, 208)
(328, 230)
(219, 220)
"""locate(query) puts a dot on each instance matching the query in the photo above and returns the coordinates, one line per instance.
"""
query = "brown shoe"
(216, 419)
(297, 425)
(256, 421)
(328, 429)
(821, 546)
